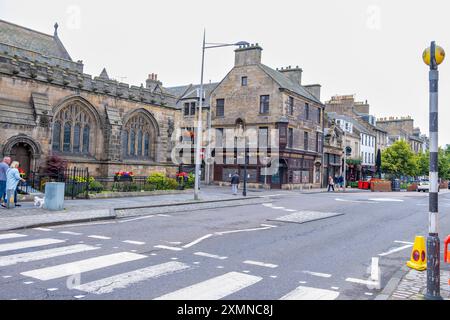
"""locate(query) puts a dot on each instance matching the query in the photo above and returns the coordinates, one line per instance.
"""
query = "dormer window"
(189, 109)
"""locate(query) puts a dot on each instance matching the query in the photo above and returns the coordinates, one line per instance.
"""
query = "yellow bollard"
(418, 256)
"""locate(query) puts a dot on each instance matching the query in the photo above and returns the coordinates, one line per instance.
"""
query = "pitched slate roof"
(192, 91)
(288, 84)
(27, 39)
(355, 123)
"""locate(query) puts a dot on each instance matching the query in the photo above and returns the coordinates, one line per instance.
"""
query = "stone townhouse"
(265, 113)
(402, 128)
(333, 150)
(49, 106)
(352, 137)
(360, 111)
(187, 102)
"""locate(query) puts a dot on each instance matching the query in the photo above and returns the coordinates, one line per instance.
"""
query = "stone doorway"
(25, 150)
(22, 152)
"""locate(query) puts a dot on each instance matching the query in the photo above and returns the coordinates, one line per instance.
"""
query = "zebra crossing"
(16, 250)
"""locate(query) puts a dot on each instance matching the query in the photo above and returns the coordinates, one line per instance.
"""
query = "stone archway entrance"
(25, 150)
(22, 152)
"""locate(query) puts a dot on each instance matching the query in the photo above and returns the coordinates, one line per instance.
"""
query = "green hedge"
(159, 181)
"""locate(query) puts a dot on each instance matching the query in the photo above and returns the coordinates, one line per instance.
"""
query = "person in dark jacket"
(235, 180)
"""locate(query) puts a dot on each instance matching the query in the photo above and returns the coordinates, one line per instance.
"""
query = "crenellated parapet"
(66, 73)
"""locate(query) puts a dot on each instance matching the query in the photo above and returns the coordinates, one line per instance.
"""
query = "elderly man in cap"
(4, 166)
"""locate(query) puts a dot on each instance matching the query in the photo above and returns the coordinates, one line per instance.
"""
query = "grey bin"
(396, 185)
(54, 196)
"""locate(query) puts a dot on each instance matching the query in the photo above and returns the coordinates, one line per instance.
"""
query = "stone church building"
(49, 106)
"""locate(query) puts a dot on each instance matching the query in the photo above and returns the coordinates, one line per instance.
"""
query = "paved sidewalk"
(28, 216)
(408, 284)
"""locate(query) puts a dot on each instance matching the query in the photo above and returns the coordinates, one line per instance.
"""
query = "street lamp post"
(345, 161)
(433, 56)
(244, 193)
(200, 107)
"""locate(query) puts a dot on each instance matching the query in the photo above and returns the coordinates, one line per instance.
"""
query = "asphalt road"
(265, 251)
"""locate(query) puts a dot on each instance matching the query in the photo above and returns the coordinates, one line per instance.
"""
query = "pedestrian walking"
(12, 181)
(235, 180)
(4, 166)
(341, 183)
(330, 183)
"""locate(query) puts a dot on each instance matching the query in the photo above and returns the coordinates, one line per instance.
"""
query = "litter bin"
(396, 185)
(54, 196)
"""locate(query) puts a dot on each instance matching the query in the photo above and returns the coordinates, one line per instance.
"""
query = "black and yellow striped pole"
(433, 56)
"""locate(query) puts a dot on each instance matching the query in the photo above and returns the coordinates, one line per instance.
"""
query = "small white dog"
(39, 202)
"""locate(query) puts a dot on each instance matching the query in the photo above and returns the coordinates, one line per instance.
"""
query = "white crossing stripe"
(78, 267)
(318, 274)
(193, 243)
(243, 230)
(44, 254)
(28, 244)
(70, 233)
(100, 237)
(208, 255)
(307, 293)
(43, 229)
(395, 250)
(369, 283)
(11, 236)
(261, 264)
(168, 248)
(215, 288)
(138, 243)
(404, 242)
(124, 280)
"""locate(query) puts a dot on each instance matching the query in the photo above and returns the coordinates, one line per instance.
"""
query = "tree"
(423, 164)
(399, 160)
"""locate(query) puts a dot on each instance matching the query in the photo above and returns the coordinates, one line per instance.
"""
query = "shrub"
(95, 186)
(55, 166)
(172, 184)
(158, 181)
(190, 182)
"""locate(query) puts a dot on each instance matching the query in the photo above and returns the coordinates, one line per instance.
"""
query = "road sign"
(348, 151)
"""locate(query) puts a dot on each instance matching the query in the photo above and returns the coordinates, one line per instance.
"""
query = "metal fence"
(76, 182)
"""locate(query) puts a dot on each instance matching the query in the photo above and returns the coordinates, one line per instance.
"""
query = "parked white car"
(425, 186)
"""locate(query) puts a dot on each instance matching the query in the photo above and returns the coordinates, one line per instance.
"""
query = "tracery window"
(71, 130)
(138, 138)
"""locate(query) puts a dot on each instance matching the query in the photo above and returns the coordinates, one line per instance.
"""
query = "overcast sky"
(369, 48)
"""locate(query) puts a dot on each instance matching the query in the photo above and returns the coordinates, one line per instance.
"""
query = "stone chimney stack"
(248, 55)
(152, 82)
(295, 74)
(314, 89)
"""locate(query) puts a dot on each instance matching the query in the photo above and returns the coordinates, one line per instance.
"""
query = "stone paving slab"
(412, 285)
(48, 219)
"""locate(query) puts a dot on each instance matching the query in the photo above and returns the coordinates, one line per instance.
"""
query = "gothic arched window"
(67, 137)
(138, 138)
(86, 134)
(57, 136)
(72, 129)
(76, 138)
(146, 145)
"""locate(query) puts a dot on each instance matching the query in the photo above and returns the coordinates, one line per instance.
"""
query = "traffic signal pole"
(433, 242)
